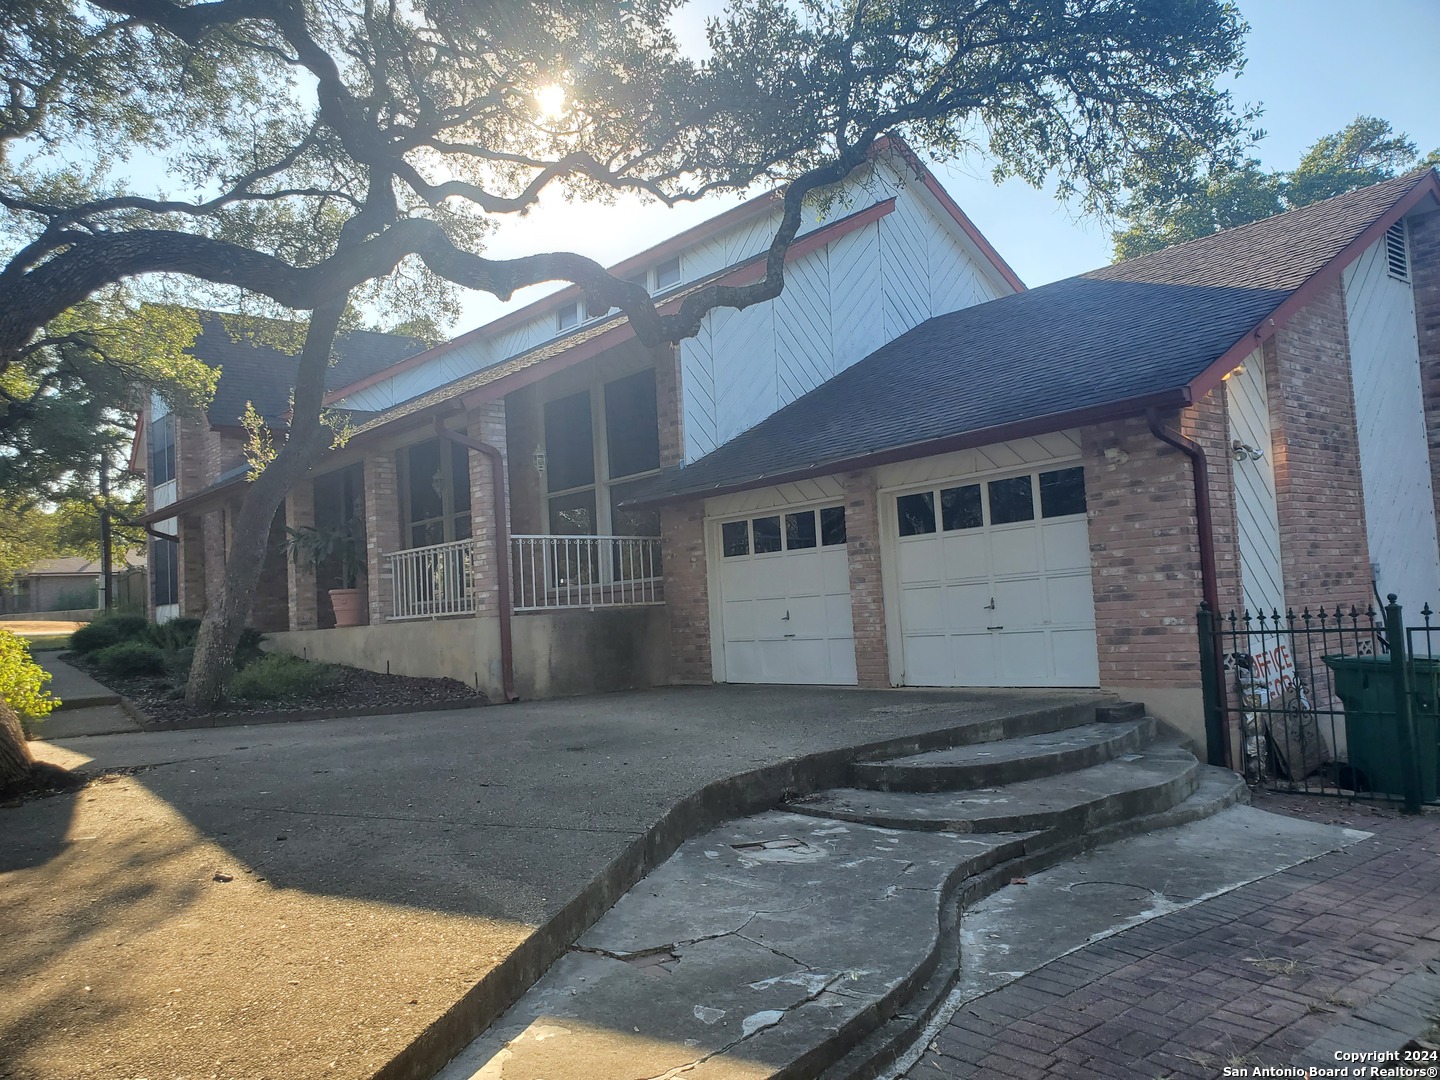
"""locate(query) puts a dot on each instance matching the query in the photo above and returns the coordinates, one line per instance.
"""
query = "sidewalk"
(1271, 974)
(86, 706)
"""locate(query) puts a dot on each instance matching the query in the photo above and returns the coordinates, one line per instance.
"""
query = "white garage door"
(994, 580)
(785, 598)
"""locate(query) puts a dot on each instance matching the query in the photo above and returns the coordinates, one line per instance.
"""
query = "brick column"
(486, 423)
(1424, 235)
(1208, 423)
(382, 531)
(1144, 556)
(670, 405)
(300, 574)
(192, 566)
(687, 591)
(1324, 549)
(867, 597)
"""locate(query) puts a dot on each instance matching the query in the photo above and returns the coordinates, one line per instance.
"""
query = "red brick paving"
(1249, 978)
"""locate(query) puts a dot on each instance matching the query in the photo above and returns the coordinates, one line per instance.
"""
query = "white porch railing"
(434, 581)
(547, 572)
(553, 572)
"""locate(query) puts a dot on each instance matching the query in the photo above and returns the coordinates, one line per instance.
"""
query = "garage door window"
(800, 531)
(1011, 500)
(1062, 492)
(917, 513)
(960, 508)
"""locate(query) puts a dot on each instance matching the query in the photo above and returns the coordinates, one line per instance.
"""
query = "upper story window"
(667, 275)
(597, 443)
(1397, 254)
(160, 440)
(568, 316)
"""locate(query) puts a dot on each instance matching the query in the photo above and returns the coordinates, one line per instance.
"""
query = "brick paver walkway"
(1246, 979)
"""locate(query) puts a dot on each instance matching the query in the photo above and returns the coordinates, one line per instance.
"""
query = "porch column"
(191, 576)
(300, 576)
(382, 532)
(867, 594)
(687, 591)
(670, 405)
(486, 423)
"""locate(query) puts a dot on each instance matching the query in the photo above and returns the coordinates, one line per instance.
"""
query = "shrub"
(247, 649)
(127, 627)
(22, 681)
(282, 677)
(94, 637)
(131, 658)
(176, 634)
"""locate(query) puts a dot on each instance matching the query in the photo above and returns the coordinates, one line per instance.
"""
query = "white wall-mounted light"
(539, 460)
(1243, 451)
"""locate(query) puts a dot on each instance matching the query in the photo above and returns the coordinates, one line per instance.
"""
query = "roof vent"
(1397, 261)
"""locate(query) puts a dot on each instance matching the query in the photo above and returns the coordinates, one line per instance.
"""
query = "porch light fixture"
(539, 460)
(1243, 451)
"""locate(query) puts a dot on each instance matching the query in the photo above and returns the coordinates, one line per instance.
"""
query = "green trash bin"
(1365, 684)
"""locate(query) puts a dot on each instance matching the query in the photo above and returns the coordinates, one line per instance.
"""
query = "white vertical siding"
(841, 303)
(1390, 418)
(1256, 508)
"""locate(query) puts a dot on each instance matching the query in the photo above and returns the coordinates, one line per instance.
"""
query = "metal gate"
(1335, 702)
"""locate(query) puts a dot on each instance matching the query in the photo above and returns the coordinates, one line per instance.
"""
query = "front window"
(597, 445)
(435, 487)
(161, 442)
(165, 571)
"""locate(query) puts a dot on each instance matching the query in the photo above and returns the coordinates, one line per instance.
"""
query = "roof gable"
(1137, 334)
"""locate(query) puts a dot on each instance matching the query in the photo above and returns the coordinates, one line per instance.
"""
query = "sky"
(1314, 65)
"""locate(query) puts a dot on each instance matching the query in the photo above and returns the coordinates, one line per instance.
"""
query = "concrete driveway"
(353, 898)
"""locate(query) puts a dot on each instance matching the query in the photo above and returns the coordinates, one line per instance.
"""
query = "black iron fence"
(1337, 701)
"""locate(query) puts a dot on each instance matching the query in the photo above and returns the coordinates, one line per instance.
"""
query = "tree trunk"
(16, 761)
(226, 614)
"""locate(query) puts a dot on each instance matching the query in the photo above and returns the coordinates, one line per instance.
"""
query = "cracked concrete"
(774, 955)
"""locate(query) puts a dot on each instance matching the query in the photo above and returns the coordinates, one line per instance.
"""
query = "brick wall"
(486, 423)
(670, 405)
(1324, 549)
(382, 531)
(1207, 423)
(1145, 555)
(191, 575)
(270, 609)
(1425, 275)
(304, 613)
(687, 591)
(867, 599)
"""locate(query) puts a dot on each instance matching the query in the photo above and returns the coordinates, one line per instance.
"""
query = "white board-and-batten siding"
(1390, 420)
(841, 302)
(1262, 577)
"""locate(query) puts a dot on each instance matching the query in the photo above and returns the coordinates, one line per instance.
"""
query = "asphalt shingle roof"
(252, 370)
(1131, 331)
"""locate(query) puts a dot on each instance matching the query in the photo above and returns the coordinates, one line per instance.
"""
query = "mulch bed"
(158, 699)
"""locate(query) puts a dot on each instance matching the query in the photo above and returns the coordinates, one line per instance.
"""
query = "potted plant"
(313, 545)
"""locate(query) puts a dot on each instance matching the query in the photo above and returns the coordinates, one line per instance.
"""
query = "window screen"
(632, 424)
(569, 442)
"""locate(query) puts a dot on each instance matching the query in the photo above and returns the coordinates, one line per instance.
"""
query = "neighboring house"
(71, 583)
(906, 470)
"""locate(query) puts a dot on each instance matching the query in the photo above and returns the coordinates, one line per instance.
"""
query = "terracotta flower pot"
(349, 605)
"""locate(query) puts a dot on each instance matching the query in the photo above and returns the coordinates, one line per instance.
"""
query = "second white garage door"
(785, 598)
(994, 582)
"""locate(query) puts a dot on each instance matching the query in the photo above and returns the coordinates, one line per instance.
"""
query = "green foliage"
(74, 600)
(176, 634)
(247, 650)
(1366, 151)
(282, 677)
(312, 546)
(260, 449)
(131, 658)
(22, 681)
(109, 629)
(94, 637)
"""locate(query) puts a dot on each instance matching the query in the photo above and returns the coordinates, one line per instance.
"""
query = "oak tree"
(319, 154)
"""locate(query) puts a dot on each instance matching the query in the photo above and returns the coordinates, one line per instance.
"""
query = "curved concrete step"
(1130, 786)
(1008, 761)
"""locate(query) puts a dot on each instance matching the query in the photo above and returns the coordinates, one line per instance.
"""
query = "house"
(907, 470)
(72, 583)
(195, 467)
